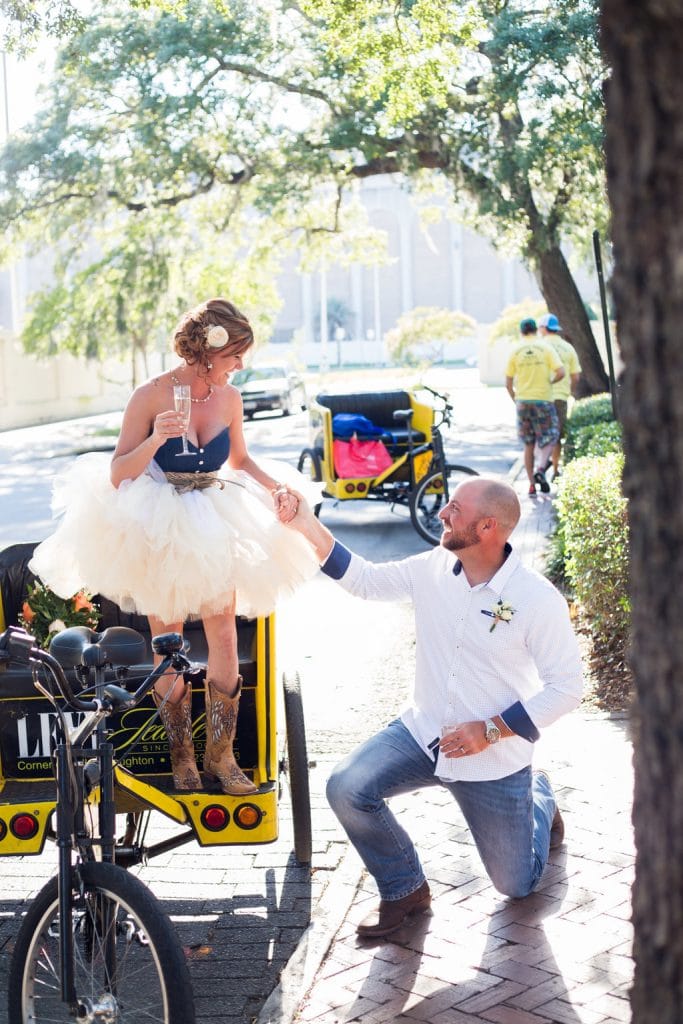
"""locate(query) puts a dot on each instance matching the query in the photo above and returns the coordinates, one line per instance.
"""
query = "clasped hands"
(290, 505)
(286, 503)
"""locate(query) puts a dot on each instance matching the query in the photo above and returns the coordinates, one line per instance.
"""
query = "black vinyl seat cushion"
(379, 407)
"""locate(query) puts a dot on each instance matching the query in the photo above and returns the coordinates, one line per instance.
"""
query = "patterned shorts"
(537, 423)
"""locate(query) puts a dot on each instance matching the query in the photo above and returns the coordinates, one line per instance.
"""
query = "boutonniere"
(501, 612)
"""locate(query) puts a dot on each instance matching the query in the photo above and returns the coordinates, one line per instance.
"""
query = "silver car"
(267, 388)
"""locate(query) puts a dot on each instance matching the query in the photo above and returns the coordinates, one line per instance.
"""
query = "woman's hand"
(286, 503)
(167, 424)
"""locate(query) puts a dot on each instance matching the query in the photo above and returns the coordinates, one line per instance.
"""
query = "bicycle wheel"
(430, 496)
(296, 763)
(310, 464)
(128, 964)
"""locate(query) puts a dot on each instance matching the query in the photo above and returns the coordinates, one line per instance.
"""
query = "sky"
(19, 102)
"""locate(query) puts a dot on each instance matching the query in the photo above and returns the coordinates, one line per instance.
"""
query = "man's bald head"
(496, 499)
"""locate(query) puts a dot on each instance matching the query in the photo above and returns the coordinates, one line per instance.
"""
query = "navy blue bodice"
(206, 459)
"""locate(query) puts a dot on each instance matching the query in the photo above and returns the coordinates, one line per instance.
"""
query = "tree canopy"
(270, 106)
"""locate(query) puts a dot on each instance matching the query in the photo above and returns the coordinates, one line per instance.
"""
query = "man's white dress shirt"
(527, 668)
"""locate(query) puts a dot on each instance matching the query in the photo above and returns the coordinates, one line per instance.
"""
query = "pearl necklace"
(197, 401)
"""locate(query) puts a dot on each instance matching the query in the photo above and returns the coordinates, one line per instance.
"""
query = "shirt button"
(201, 451)
(201, 462)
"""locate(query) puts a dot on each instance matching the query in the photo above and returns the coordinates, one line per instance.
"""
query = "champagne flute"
(182, 400)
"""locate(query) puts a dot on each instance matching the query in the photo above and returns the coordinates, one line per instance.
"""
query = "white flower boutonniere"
(501, 612)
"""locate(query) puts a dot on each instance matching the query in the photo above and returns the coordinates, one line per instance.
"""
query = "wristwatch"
(492, 731)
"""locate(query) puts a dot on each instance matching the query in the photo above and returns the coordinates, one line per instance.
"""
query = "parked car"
(265, 388)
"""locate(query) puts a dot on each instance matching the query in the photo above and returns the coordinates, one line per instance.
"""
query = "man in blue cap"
(532, 369)
(551, 332)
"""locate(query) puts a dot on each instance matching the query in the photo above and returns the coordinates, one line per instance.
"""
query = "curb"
(515, 469)
(299, 975)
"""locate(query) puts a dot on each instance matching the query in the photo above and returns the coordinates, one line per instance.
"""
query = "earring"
(209, 366)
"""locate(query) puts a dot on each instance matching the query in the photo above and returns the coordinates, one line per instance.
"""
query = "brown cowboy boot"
(177, 721)
(221, 725)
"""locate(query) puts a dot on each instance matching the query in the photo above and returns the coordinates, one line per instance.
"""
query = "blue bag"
(346, 424)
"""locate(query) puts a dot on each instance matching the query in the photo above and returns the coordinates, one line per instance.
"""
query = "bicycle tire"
(296, 761)
(430, 496)
(151, 981)
(310, 464)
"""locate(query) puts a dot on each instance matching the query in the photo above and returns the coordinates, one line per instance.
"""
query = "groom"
(496, 662)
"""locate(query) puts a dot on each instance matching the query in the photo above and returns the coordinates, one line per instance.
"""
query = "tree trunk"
(643, 42)
(563, 299)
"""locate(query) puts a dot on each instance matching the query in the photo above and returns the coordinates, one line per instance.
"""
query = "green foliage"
(556, 557)
(111, 306)
(506, 327)
(593, 517)
(594, 439)
(422, 333)
(586, 416)
(278, 108)
(26, 20)
(44, 614)
(339, 317)
(595, 409)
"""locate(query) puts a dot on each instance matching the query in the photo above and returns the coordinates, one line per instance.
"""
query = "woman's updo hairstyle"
(213, 327)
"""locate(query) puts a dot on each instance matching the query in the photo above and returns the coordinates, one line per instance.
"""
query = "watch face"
(492, 734)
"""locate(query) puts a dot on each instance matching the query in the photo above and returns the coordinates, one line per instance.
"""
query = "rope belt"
(184, 482)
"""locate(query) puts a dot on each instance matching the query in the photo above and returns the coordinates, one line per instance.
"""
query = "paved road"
(241, 913)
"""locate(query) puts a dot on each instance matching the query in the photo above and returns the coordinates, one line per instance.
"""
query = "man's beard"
(467, 538)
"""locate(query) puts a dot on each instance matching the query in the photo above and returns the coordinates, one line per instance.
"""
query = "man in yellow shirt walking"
(532, 369)
(550, 330)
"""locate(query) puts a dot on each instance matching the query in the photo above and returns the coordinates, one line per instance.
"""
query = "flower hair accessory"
(501, 612)
(217, 336)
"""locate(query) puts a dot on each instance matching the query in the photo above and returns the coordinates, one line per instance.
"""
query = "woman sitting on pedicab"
(175, 536)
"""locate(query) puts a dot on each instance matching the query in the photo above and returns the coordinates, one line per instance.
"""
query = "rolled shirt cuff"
(516, 718)
(337, 562)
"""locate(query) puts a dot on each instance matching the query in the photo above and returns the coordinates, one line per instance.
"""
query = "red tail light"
(214, 818)
(24, 826)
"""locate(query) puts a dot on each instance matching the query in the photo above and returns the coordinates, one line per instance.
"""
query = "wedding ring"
(461, 749)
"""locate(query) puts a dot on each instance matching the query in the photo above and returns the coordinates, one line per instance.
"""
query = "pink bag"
(360, 458)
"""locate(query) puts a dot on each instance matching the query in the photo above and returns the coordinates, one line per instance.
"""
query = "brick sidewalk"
(561, 955)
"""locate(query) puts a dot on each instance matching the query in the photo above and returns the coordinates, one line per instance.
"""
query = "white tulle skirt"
(156, 551)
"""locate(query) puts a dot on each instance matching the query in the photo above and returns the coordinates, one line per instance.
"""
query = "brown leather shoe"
(391, 914)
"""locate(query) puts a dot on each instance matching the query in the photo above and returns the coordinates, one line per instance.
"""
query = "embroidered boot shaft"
(221, 725)
(177, 721)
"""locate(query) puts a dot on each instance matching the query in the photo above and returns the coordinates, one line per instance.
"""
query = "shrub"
(595, 439)
(593, 518)
(422, 334)
(556, 557)
(585, 415)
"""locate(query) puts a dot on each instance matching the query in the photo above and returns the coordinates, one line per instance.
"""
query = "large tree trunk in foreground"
(643, 42)
(563, 299)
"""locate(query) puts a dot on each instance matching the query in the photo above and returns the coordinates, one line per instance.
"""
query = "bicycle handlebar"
(447, 407)
(19, 646)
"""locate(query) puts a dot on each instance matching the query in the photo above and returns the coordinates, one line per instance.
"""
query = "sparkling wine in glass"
(182, 400)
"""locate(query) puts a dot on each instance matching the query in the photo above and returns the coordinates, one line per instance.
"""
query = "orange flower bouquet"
(44, 614)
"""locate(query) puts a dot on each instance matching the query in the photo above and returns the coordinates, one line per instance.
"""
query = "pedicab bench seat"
(379, 407)
(27, 718)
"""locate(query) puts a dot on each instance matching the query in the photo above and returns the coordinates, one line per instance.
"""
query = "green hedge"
(588, 416)
(594, 534)
(595, 439)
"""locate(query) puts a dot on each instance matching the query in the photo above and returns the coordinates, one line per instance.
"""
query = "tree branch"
(282, 83)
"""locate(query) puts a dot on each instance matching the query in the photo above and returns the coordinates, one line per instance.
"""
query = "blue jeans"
(509, 818)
